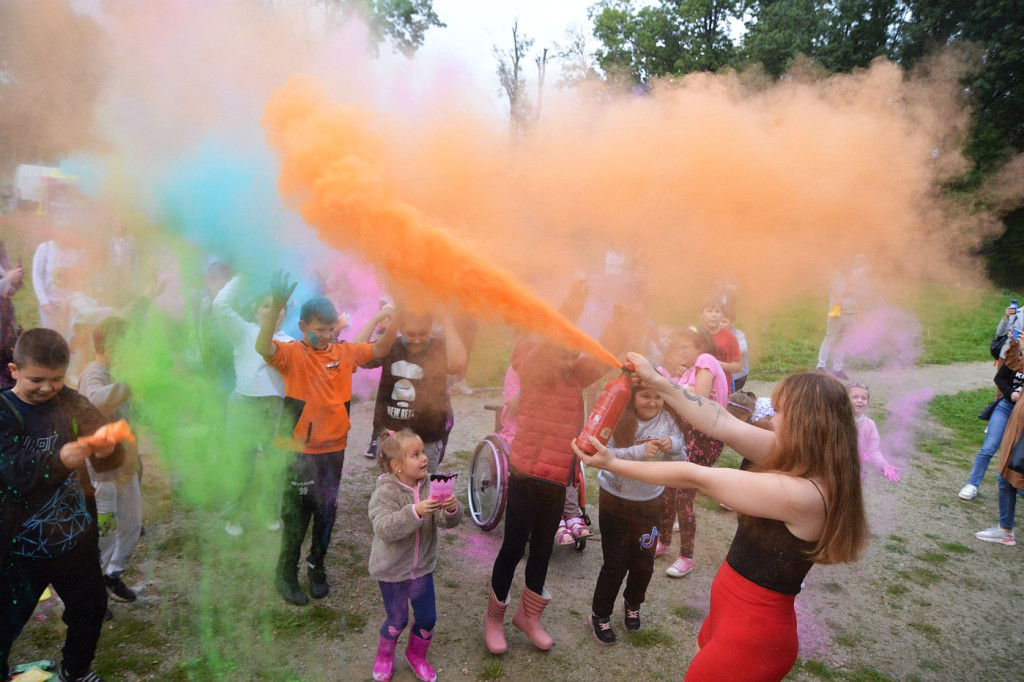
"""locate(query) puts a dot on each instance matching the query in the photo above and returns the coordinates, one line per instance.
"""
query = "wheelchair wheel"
(488, 483)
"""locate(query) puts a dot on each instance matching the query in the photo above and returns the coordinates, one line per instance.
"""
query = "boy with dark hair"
(118, 497)
(317, 375)
(48, 519)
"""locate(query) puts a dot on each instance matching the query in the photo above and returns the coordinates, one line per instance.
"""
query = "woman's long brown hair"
(817, 439)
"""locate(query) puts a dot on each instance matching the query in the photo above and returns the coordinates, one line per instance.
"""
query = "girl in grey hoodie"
(403, 555)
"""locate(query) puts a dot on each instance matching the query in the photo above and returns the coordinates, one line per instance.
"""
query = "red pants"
(749, 634)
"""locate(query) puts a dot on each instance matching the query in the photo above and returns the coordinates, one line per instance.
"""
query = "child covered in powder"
(118, 497)
(48, 518)
(254, 407)
(413, 390)
(317, 375)
(868, 440)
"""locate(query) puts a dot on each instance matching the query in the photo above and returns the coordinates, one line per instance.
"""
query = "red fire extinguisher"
(607, 410)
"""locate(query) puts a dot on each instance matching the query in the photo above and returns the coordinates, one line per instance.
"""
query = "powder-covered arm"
(224, 310)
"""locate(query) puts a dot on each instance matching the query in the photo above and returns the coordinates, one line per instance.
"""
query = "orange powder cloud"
(772, 187)
(331, 165)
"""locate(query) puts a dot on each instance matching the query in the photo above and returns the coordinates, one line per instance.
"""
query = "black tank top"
(767, 554)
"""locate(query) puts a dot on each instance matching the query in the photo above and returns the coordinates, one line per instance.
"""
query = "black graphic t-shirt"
(58, 524)
(413, 391)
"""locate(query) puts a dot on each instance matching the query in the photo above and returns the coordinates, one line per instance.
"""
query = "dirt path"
(927, 601)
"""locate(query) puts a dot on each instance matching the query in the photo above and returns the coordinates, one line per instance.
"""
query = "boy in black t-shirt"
(413, 390)
(47, 514)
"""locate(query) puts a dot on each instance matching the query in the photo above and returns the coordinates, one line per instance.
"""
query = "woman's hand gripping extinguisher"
(607, 410)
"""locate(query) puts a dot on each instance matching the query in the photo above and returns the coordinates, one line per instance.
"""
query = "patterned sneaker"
(680, 567)
(632, 617)
(996, 534)
(562, 535)
(578, 527)
(602, 629)
(87, 677)
(660, 549)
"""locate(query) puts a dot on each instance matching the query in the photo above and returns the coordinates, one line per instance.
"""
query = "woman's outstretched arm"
(706, 415)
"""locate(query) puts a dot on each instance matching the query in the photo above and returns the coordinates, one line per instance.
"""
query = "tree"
(574, 55)
(669, 38)
(403, 22)
(513, 84)
(996, 84)
(841, 36)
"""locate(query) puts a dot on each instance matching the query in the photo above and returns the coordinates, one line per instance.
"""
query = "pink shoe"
(527, 618)
(562, 535)
(660, 549)
(680, 567)
(578, 527)
(416, 657)
(494, 625)
(384, 664)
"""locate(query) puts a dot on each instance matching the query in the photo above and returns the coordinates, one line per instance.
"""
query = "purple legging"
(700, 449)
(397, 596)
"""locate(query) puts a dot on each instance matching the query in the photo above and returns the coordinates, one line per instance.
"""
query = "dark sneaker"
(118, 590)
(87, 677)
(371, 449)
(840, 374)
(318, 587)
(290, 591)
(632, 617)
(602, 629)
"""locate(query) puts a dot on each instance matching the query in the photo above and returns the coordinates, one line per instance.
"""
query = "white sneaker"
(274, 526)
(233, 529)
(996, 534)
(968, 492)
(462, 387)
(680, 567)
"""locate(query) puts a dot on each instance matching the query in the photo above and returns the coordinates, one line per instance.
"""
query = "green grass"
(963, 432)
(687, 612)
(932, 558)
(825, 671)
(956, 548)
(492, 670)
(490, 356)
(952, 330)
(647, 638)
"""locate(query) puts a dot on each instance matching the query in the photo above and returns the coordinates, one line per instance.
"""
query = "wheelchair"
(488, 481)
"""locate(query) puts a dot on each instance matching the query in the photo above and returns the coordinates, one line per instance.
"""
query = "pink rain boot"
(416, 657)
(494, 625)
(527, 618)
(385, 661)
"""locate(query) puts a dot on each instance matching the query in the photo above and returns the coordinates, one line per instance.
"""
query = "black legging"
(623, 523)
(532, 513)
